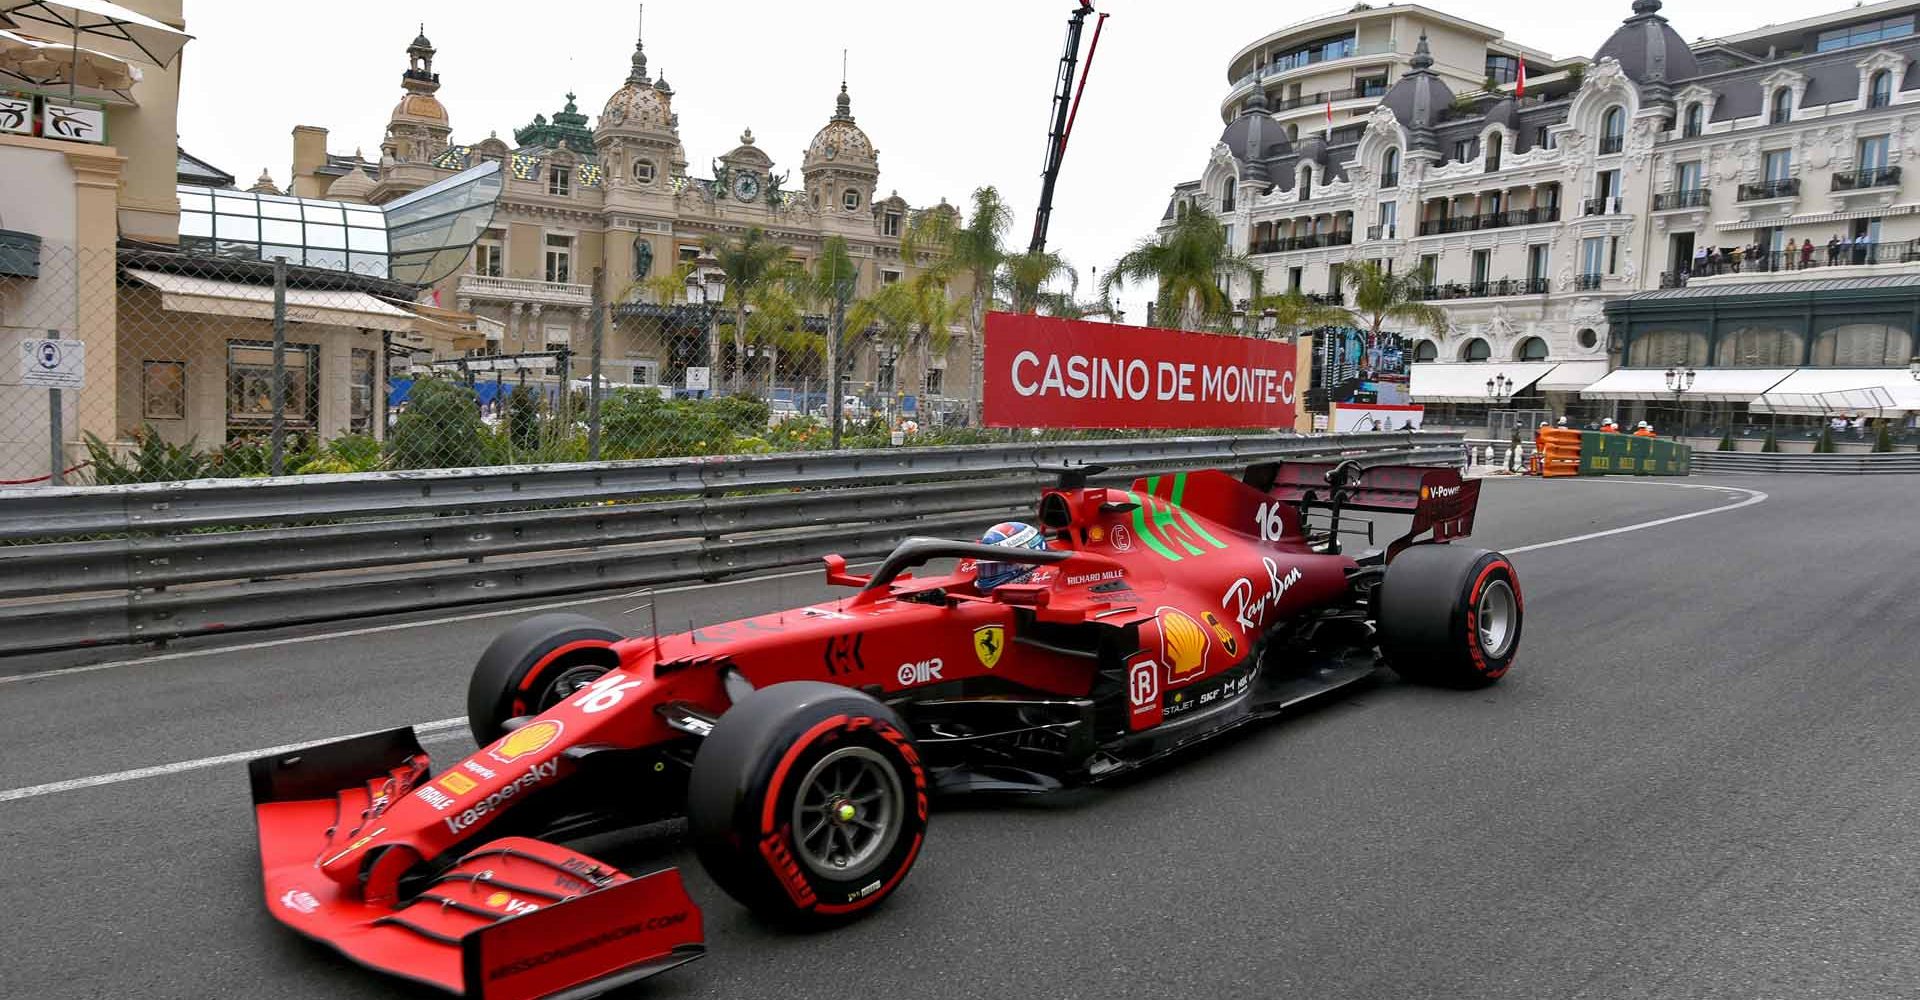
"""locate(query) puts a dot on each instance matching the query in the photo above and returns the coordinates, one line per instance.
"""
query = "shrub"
(1823, 445)
(1882, 437)
(152, 460)
(440, 429)
(347, 453)
(523, 418)
(1726, 441)
(1771, 444)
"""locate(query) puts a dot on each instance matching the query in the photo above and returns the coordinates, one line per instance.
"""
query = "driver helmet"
(1013, 534)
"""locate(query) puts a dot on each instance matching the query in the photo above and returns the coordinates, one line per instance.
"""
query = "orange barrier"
(1562, 454)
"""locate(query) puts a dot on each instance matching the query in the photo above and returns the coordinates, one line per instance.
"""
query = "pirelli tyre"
(808, 802)
(1450, 615)
(532, 666)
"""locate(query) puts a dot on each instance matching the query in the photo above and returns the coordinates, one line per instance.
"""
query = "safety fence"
(1590, 453)
(86, 566)
(1883, 463)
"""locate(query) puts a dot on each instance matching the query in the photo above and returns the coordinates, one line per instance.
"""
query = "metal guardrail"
(1872, 463)
(106, 565)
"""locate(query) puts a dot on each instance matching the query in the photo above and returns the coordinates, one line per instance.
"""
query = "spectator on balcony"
(1833, 251)
(1860, 248)
(1699, 260)
(1806, 254)
(1715, 261)
(1738, 253)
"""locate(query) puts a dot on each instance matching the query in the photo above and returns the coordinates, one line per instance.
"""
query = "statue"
(775, 197)
(720, 179)
(642, 257)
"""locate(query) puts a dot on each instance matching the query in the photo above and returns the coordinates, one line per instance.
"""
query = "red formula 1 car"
(803, 746)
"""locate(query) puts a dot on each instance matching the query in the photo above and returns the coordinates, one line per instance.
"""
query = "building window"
(1695, 121)
(1462, 150)
(558, 336)
(890, 224)
(1533, 349)
(1593, 257)
(360, 382)
(1880, 89)
(1389, 216)
(1503, 69)
(1686, 176)
(1779, 164)
(558, 181)
(1494, 142)
(1295, 275)
(1306, 183)
(1613, 130)
(1226, 195)
(689, 254)
(163, 390)
(559, 258)
(936, 381)
(250, 385)
(1587, 339)
(1872, 152)
(1782, 107)
(490, 254)
(1426, 350)
(1543, 138)
(1429, 268)
(1536, 266)
(1390, 168)
(888, 276)
(851, 199)
(1864, 34)
(1476, 349)
(643, 171)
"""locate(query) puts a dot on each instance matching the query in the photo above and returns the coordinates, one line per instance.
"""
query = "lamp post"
(1679, 380)
(706, 288)
(1499, 389)
(1268, 320)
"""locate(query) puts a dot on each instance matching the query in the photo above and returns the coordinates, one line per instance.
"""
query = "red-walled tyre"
(1450, 615)
(808, 802)
(532, 666)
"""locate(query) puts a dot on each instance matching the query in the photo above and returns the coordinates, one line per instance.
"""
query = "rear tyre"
(808, 802)
(1450, 615)
(533, 666)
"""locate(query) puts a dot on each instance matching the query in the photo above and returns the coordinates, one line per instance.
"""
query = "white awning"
(1710, 385)
(209, 297)
(1866, 392)
(98, 25)
(1573, 376)
(1466, 382)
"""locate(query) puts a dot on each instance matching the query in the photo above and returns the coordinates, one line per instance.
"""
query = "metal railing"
(103, 565)
(1314, 242)
(1883, 463)
(1868, 177)
(1491, 220)
(1785, 187)
(1841, 253)
(1382, 232)
(1611, 144)
(1690, 198)
(1603, 205)
(1587, 282)
(1485, 289)
(1390, 179)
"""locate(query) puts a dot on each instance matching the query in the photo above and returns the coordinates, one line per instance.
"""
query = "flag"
(1520, 88)
(1329, 117)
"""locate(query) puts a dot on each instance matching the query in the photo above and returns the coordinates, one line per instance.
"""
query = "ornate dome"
(423, 108)
(1419, 96)
(1649, 51)
(841, 140)
(639, 103)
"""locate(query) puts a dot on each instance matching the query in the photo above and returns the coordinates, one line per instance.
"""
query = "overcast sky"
(954, 95)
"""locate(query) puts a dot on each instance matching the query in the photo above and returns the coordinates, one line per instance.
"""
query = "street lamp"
(1268, 320)
(1679, 380)
(1499, 386)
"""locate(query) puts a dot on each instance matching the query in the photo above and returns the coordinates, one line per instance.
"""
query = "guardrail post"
(278, 461)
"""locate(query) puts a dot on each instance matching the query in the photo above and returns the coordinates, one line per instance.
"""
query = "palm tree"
(1023, 279)
(973, 249)
(1380, 297)
(834, 274)
(1292, 311)
(1188, 265)
(753, 263)
(915, 315)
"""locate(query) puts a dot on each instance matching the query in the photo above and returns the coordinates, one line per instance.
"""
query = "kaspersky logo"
(479, 810)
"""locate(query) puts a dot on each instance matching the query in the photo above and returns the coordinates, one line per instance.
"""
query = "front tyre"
(808, 802)
(1450, 615)
(533, 666)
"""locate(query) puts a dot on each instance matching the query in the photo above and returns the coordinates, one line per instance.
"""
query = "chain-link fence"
(149, 364)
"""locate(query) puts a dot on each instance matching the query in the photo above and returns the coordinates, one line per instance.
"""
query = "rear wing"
(1437, 497)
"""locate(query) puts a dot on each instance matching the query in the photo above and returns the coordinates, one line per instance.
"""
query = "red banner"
(1046, 372)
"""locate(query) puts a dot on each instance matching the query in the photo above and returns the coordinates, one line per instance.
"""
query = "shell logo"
(531, 738)
(498, 899)
(1183, 643)
(1426, 492)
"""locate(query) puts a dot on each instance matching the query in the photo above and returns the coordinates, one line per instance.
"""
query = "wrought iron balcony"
(1690, 198)
(1382, 232)
(1390, 179)
(1483, 289)
(1491, 220)
(1608, 205)
(1869, 177)
(1785, 187)
(1314, 242)
(1587, 282)
(1611, 144)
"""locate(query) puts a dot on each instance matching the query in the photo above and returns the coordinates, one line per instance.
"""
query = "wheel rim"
(566, 683)
(847, 813)
(1498, 619)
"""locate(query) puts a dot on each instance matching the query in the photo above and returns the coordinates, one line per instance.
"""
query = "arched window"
(1293, 133)
(1476, 349)
(1759, 347)
(1494, 142)
(1782, 106)
(1861, 345)
(1696, 120)
(1666, 348)
(1532, 349)
(1390, 168)
(1306, 183)
(1880, 89)
(1613, 129)
(1226, 195)
(1426, 351)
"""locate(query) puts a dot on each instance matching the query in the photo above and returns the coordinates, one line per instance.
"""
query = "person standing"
(1806, 254)
(1645, 430)
(1833, 251)
(1860, 248)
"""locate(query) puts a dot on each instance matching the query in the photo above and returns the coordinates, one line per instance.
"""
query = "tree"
(440, 428)
(974, 249)
(1380, 297)
(1292, 311)
(915, 315)
(1188, 265)
(753, 264)
(1023, 280)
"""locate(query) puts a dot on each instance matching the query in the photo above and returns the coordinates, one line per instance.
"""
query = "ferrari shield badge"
(989, 641)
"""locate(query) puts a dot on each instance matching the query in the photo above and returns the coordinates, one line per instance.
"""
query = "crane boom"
(1065, 104)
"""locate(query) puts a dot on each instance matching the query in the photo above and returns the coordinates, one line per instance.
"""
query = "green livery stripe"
(1198, 530)
(1179, 487)
(1153, 484)
(1147, 534)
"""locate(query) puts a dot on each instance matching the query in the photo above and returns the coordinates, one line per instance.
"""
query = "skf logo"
(510, 904)
(531, 738)
(1183, 644)
(458, 784)
(921, 672)
(1227, 641)
(989, 641)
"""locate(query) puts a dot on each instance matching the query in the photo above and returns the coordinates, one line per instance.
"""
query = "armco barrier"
(104, 565)
(1869, 464)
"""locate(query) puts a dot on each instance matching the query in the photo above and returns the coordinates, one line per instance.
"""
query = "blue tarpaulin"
(400, 388)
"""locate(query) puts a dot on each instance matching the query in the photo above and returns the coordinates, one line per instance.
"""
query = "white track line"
(444, 729)
(395, 627)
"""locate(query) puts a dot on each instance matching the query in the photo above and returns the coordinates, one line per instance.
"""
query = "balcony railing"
(1785, 187)
(1345, 49)
(1326, 298)
(1483, 289)
(1690, 198)
(1611, 144)
(1493, 164)
(1870, 177)
(1838, 253)
(1314, 242)
(1383, 232)
(1608, 205)
(1587, 282)
(530, 290)
(1390, 179)
(1491, 220)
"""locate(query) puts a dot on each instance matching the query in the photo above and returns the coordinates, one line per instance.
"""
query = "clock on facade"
(746, 187)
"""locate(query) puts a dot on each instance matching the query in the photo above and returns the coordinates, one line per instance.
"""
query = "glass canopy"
(417, 239)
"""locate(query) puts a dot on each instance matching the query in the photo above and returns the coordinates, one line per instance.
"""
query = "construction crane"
(1066, 106)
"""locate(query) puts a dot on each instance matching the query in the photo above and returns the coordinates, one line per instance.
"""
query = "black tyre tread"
(1422, 614)
(505, 662)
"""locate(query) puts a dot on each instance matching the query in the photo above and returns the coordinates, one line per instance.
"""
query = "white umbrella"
(44, 64)
(108, 27)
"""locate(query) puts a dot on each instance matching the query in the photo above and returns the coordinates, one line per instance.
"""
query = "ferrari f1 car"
(803, 747)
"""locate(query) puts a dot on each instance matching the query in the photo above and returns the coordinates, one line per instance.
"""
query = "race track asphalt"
(1699, 781)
